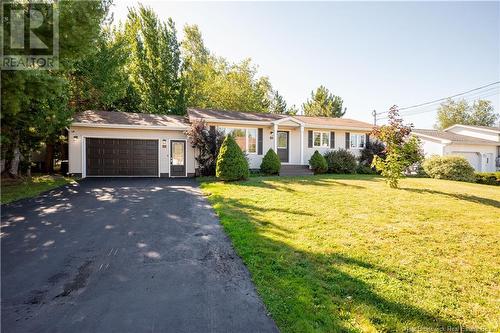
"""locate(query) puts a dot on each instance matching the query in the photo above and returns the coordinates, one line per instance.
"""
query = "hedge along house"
(103, 143)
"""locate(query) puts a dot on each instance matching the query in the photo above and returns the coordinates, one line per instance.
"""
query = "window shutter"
(259, 141)
(347, 140)
(367, 139)
(212, 130)
(310, 139)
(332, 140)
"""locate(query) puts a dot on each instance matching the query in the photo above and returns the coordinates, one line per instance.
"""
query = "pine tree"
(323, 104)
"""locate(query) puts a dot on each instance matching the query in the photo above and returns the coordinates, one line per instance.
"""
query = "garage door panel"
(121, 157)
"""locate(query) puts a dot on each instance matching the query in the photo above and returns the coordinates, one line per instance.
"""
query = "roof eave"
(123, 126)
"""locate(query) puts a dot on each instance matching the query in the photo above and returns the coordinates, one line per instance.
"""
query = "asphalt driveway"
(123, 255)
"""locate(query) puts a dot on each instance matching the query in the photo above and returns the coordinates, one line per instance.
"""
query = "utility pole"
(374, 114)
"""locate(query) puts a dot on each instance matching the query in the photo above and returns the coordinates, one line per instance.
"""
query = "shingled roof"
(232, 115)
(455, 138)
(92, 117)
(207, 114)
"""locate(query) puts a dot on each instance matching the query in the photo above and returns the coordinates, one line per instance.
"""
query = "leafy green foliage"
(318, 163)
(401, 149)
(154, 66)
(271, 163)
(341, 161)
(323, 104)
(231, 162)
(36, 104)
(488, 178)
(372, 148)
(449, 167)
(207, 144)
(278, 104)
(213, 82)
(100, 81)
(452, 112)
(365, 169)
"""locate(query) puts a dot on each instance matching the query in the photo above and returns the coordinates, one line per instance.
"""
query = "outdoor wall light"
(75, 137)
(164, 143)
(272, 135)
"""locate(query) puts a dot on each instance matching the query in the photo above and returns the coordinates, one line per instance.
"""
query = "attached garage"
(474, 158)
(120, 144)
(121, 157)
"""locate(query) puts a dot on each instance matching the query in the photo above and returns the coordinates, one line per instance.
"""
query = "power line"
(443, 99)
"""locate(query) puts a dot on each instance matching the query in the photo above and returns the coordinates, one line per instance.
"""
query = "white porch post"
(275, 136)
(301, 144)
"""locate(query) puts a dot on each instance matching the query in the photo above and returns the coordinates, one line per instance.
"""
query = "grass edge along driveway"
(345, 253)
(13, 190)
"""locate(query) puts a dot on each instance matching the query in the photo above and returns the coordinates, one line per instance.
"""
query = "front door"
(177, 158)
(283, 146)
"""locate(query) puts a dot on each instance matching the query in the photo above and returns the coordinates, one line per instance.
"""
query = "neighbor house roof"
(236, 116)
(449, 137)
(128, 119)
(487, 128)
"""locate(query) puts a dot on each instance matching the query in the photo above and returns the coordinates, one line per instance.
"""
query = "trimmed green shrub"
(365, 169)
(271, 163)
(318, 163)
(449, 167)
(231, 162)
(488, 178)
(341, 161)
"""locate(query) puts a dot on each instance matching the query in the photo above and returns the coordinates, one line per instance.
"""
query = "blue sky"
(372, 54)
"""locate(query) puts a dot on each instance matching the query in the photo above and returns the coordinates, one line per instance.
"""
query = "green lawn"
(346, 253)
(13, 190)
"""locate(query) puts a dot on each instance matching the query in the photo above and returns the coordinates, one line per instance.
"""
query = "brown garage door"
(121, 157)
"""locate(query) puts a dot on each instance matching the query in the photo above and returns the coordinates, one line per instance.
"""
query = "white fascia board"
(143, 127)
(492, 130)
(292, 119)
(232, 121)
(346, 128)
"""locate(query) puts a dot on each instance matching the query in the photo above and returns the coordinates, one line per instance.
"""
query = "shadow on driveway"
(123, 255)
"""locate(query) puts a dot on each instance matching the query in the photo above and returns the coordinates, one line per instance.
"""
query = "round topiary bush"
(341, 161)
(231, 162)
(449, 167)
(271, 163)
(318, 163)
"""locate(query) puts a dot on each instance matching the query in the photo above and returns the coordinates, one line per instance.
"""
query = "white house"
(103, 143)
(480, 145)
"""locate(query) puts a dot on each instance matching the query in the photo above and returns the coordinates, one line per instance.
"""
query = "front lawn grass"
(345, 253)
(15, 189)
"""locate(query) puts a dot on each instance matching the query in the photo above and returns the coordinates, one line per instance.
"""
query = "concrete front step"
(295, 170)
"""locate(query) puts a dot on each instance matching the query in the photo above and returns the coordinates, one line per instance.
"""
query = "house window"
(282, 140)
(358, 141)
(321, 139)
(246, 138)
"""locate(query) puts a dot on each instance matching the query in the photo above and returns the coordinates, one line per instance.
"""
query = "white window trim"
(321, 139)
(357, 135)
(246, 137)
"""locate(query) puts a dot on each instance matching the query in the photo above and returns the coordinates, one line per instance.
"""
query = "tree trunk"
(28, 158)
(49, 158)
(16, 157)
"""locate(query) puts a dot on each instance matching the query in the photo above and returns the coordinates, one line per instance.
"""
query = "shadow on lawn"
(313, 292)
(272, 184)
(459, 196)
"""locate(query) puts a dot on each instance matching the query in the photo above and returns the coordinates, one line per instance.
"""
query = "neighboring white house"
(480, 145)
(103, 143)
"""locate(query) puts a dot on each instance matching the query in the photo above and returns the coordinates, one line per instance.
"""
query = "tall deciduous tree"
(214, 82)
(452, 112)
(323, 104)
(401, 148)
(35, 102)
(154, 66)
